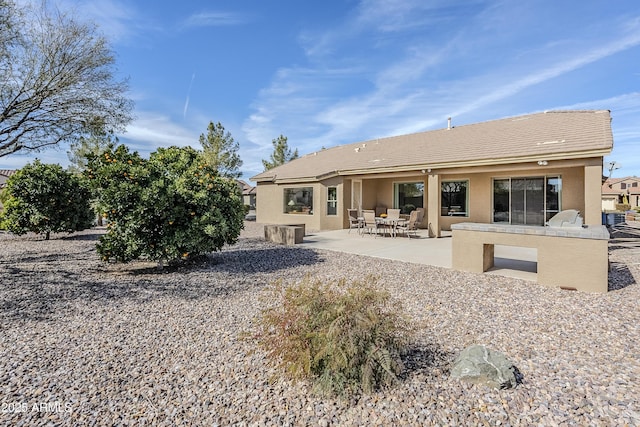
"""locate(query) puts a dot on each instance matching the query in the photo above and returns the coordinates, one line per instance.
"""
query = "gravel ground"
(86, 343)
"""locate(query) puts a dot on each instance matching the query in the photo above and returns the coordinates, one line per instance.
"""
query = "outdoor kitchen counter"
(589, 232)
(568, 257)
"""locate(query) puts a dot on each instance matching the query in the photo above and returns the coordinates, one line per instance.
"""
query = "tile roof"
(549, 135)
(4, 174)
(607, 187)
(246, 188)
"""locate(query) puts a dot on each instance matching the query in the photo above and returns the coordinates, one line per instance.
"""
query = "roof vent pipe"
(449, 123)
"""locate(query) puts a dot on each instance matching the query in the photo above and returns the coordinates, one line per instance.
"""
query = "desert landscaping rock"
(88, 343)
(479, 365)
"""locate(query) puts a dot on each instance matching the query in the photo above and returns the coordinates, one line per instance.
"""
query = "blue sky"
(335, 72)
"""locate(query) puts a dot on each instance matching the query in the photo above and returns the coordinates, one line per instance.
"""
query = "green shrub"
(406, 209)
(346, 338)
(170, 207)
(44, 198)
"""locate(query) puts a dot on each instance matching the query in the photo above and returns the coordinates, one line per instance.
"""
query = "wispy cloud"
(155, 130)
(402, 88)
(625, 110)
(572, 63)
(213, 19)
(118, 20)
(628, 103)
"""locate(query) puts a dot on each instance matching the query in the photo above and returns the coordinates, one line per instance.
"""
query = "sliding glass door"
(526, 201)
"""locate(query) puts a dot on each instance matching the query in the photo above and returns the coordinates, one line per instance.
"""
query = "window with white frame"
(332, 201)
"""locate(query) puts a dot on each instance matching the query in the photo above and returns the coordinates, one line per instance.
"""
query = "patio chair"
(393, 213)
(354, 222)
(370, 222)
(393, 219)
(411, 226)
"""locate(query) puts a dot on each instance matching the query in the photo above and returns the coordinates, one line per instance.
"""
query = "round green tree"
(44, 198)
(169, 207)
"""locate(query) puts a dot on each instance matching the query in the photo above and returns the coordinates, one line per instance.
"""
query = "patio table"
(390, 223)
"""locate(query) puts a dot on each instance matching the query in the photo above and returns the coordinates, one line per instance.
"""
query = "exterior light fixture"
(542, 163)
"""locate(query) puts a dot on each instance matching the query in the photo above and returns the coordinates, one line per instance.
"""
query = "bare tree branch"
(58, 77)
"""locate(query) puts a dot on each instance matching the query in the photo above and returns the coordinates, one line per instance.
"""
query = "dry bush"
(346, 338)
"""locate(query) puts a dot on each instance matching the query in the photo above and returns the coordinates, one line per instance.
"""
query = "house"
(248, 194)
(516, 170)
(4, 176)
(617, 191)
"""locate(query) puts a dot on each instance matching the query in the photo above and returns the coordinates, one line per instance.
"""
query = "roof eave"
(481, 162)
(296, 180)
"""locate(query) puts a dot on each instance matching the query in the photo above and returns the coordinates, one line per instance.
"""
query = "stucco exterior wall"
(384, 189)
(481, 192)
(578, 263)
(269, 206)
(581, 185)
(331, 222)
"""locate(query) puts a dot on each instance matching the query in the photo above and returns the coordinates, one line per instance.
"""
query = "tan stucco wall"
(270, 205)
(345, 199)
(384, 189)
(578, 192)
(576, 263)
(593, 194)
(331, 222)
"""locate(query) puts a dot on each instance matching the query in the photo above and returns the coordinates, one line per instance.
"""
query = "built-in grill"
(566, 218)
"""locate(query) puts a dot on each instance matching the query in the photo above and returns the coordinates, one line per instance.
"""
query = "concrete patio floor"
(509, 261)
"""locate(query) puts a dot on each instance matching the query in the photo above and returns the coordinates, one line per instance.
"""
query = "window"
(552, 201)
(527, 201)
(332, 201)
(635, 184)
(623, 186)
(454, 198)
(408, 196)
(298, 200)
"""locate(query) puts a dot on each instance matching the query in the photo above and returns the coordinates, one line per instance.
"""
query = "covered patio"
(510, 261)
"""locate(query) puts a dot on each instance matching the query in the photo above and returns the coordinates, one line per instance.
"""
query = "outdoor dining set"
(390, 223)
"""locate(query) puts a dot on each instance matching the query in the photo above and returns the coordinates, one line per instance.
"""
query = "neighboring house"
(517, 170)
(4, 176)
(620, 191)
(248, 194)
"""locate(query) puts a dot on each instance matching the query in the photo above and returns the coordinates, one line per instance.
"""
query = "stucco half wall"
(572, 258)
